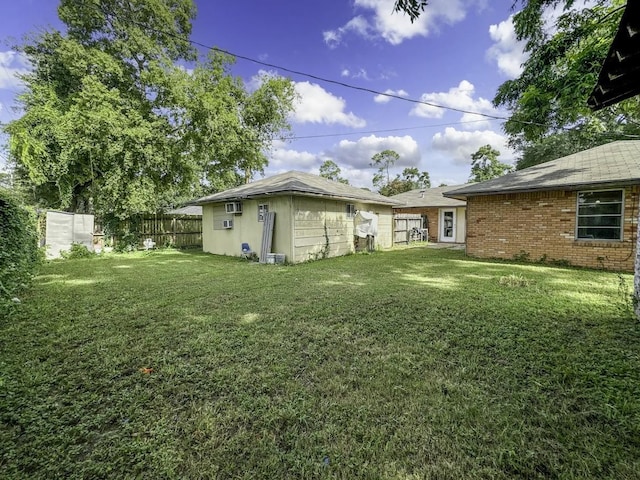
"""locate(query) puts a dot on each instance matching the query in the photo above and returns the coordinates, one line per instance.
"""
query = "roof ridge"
(308, 183)
(611, 163)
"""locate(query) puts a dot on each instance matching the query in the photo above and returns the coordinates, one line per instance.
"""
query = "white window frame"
(263, 209)
(351, 210)
(620, 215)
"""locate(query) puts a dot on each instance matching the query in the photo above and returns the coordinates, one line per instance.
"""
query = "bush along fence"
(20, 255)
(179, 231)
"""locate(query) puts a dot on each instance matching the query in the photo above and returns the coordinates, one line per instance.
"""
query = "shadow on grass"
(188, 363)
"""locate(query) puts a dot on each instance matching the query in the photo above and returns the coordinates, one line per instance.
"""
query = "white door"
(447, 225)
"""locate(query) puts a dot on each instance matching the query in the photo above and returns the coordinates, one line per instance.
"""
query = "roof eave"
(570, 187)
(235, 198)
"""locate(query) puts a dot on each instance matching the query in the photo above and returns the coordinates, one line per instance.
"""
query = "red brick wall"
(542, 224)
(432, 217)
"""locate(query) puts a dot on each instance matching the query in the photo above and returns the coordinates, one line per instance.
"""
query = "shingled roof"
(296, 183)
(192, 210)
(428, 197)
(613, 164)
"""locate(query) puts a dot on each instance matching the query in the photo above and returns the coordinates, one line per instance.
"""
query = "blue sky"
(455, 55)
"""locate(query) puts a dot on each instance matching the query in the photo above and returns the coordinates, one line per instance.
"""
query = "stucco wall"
(299, 230)
(311, 215)
(246, 227)
(385, 224)
(541, 225)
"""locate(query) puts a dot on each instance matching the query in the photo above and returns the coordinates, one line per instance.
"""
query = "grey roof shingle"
(429, 197)
(188, 210)
(613, 164)
(296, 183)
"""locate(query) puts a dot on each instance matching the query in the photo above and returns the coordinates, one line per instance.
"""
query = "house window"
(351, 210)
(600, 215)
(262, 212)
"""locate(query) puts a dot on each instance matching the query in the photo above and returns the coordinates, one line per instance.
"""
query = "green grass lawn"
(408, 364)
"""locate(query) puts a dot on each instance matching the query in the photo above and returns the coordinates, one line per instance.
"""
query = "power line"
(382, 131)
(324, 79)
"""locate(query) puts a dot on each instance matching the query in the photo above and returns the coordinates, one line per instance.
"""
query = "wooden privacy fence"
(407, 227)
(182, 231)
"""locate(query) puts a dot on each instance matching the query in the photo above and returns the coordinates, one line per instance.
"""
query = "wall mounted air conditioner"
(227, 224)
(233, 207)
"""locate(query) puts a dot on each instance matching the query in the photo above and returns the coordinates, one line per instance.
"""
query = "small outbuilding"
(314, 218)
(581, 209)
(443, 218)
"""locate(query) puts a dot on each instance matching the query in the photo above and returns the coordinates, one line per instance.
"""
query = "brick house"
(581, 209)
(443, 217)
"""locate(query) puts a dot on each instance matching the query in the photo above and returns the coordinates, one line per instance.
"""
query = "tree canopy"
(485, 165)
(410, 179)
(114, 121)
(331, 171)
(413, 8)
(548, 101)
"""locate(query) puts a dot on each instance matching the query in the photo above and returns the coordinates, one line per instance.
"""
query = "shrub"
(77, 250)
(523, 256)
(20, 254)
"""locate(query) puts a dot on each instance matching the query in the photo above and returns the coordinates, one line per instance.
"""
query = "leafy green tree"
(557, 145)
(548, 100)
(410, 179)
(383, 161)
(5, 180)
(414, 178)
(331, 171)
(485, 165)
(413, 8)
(113, 123)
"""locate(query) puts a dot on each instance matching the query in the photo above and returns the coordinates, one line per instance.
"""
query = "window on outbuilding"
(262, 212)
(351, 210)
(600, 215)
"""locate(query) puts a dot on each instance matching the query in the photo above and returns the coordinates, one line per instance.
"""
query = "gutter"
(567, 187)
(292, 193)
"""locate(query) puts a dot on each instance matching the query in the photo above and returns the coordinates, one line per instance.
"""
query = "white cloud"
(256, 81)
(460, 97)
(459, 145)
(381, 21)
(282, 158)
(385, 99)
(358, 25)
(316, 105)
(358, 154)
(507, 51)
(360, 73)
(357, 177)
(188, 71)
(353, 157)
(551, 14)
(12, 64)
